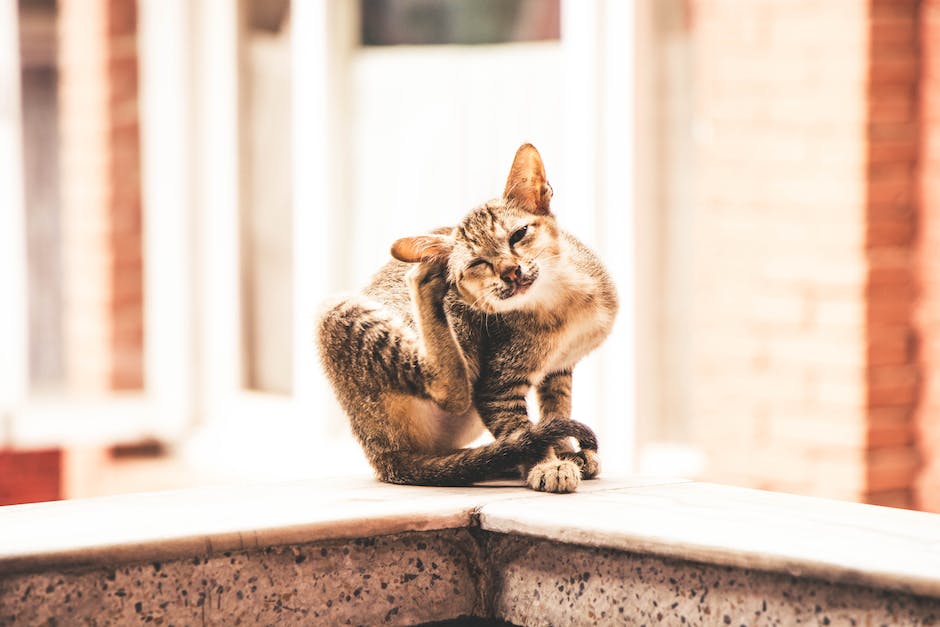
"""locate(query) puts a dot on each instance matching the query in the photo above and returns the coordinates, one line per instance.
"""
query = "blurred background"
(182, 183)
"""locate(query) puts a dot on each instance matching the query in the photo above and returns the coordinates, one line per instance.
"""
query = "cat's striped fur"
(448, 339)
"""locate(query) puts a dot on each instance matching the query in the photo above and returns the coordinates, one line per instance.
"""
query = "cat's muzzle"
(518, 284)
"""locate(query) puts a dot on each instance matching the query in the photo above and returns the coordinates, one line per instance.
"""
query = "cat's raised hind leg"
(446, 380)
(367, 349)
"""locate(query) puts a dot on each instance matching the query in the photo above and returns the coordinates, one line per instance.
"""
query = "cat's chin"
(514, 291)
(521, 298)
(538, 295)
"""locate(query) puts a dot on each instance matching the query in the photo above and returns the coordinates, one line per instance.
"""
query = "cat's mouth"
(513, 290)
(519, 286)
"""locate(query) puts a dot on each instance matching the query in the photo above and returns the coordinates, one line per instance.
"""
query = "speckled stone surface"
(169, 525)
(400, 579)
(633, 550)
(541, 582)
(724, 525)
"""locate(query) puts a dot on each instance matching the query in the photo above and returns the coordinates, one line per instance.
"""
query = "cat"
(451, 334)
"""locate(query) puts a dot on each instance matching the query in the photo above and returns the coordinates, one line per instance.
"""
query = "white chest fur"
(578, 337)
(584, 301)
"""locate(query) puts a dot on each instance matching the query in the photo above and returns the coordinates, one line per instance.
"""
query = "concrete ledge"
(637, 550)
(541, 582)
(399, 579)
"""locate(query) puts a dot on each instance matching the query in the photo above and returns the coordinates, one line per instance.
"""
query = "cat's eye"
(475, 263)
(517, 235)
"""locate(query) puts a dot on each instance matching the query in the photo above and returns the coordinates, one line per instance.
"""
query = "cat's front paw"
(428, 279)
(555, 475)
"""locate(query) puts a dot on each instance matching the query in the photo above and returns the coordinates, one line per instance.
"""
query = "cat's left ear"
(422, 248)
(527, 186)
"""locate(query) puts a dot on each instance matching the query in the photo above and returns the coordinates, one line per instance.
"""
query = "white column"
(618, 372)
(597, 39)
(165, 52)
(14, 331)
(580, 87)
(578, 194)
(217, 171)
(321, 40)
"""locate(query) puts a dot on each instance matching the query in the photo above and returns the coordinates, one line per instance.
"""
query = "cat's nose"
(511, 274)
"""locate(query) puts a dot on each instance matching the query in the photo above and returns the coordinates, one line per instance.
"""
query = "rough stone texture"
(420, 577)
(357, 552)
(400, 579)
(540, 582)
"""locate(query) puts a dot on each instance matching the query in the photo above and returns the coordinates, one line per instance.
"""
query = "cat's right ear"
(527, 186)
(422, 248)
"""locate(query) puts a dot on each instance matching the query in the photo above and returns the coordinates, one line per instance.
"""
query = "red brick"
(894, 71)
(890, 312)
(926, 416)
(890, 233)
(30, 476)
(892, 468)
(101, 193)
(890, 498)
(889, 10)
(889, 436)
(893, 192)
(121, 17)
(893, 151)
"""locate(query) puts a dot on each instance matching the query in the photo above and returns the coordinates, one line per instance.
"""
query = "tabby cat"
(449, 337)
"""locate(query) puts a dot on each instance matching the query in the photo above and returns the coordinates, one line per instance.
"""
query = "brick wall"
(892, 137)
(928, 314)
(804, 352)
(30, 476)
(778, 314)
(101, 222)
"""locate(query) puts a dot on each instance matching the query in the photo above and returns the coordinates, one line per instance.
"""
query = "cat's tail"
(491, 461)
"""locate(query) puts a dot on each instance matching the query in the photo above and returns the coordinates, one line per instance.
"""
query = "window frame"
(227, 403)
(160, 410)
(190, 174)
(599, 122)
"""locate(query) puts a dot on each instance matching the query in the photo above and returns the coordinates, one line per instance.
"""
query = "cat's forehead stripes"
(485, 227)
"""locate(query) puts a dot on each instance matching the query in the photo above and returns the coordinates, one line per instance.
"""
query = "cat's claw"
(555, 475)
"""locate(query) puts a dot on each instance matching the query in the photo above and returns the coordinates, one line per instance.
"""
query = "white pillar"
(218, 191)
(598, 40)
(14, 331)
(321, 39)
(166, 100)
(618, 237)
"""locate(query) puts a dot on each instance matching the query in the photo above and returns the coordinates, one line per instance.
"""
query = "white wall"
(13, 331)
(434, 130)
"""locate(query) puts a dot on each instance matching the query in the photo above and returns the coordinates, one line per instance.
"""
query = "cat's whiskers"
(484, 310)
(539, 254)
(474, 304)
(551, 257)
